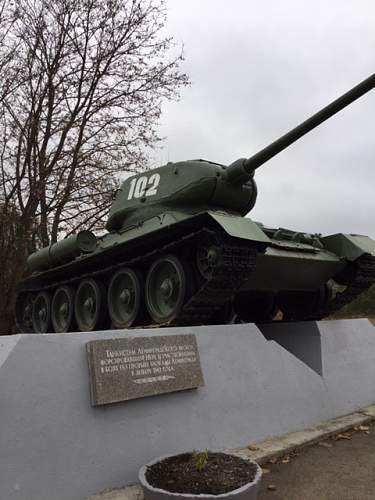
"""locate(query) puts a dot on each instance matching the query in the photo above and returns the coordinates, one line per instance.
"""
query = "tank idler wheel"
(166, 287)
(24, 313)
(90, 305)
(41, 313)
(62, 310)
(125, 298)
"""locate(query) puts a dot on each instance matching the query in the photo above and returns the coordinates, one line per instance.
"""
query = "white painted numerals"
(144, 186)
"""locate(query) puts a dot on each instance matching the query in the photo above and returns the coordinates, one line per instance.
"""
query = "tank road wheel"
(90, 305)
(24, 313)
(42, 313)
(62, 310)
(125, 298)
(165, 289)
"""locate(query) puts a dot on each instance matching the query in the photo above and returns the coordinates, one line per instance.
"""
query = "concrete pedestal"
(260, 382)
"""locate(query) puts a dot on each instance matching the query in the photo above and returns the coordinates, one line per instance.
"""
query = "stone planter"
(248, 491)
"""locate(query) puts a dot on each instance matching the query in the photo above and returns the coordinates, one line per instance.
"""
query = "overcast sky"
(260, 68)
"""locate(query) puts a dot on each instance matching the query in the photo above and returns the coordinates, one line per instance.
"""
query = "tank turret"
(201, 183)
(187, 186)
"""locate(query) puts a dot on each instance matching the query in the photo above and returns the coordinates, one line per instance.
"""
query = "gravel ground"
(341, 468)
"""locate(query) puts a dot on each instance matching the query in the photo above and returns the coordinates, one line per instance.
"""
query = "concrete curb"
(278, 446)
(261, 452)
(133, 492)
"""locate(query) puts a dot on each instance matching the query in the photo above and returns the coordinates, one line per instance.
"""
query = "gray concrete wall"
(259, 383)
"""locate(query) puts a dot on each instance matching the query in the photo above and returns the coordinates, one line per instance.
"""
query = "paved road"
(344, 470)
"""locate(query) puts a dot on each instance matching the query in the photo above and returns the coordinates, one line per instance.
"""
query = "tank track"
(359, 279)
(233, 268)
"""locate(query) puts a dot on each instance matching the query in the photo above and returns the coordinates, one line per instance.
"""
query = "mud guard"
(241, 227)
(349, 246)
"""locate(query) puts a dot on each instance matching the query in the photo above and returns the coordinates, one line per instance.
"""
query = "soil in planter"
(222, 473)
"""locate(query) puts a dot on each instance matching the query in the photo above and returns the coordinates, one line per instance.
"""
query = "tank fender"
(241, 227)
(349, 246)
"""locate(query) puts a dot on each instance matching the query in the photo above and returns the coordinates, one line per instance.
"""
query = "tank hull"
(258, 271)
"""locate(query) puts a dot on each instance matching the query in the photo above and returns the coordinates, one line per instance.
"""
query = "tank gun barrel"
(245, 168)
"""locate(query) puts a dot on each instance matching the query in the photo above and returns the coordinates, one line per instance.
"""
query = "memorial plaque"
(129, 368)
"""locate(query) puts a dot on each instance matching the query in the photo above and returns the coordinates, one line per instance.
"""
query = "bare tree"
(81, 87)
(12, 263)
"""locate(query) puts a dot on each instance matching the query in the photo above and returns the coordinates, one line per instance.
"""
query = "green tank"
(180, 251)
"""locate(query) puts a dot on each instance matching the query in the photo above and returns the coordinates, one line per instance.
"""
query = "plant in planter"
(200, 459)
(200, 475)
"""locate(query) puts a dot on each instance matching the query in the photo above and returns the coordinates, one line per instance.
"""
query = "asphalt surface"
(341, 468)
